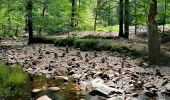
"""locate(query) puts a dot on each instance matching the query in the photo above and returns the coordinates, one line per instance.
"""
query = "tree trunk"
(73, 14)
(30, 23)
(120, 18)
(96, 15)
(153, 35)
(43, 13)
(164, 23)
(95, 20)
(126, 23)
(135, 17)
(109, 21)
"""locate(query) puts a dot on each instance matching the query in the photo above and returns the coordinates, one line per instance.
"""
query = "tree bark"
(135, 17)
(126, 21)
(120, 18)
(73, 14)
(96, 15)
(153, 35)
(164, 23)
(30, 22)
(43, 13)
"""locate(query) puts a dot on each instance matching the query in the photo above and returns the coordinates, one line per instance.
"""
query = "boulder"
(99, 88)
(167, 87)
(45, 97)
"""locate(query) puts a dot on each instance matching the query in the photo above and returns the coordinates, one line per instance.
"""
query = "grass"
(114, 28)
(89, 44)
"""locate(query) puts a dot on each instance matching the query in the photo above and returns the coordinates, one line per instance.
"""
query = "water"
(68, 90)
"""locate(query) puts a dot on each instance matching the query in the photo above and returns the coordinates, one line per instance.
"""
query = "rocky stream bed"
(91, 75)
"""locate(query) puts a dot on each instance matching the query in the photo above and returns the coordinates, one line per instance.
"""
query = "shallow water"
(68, 90)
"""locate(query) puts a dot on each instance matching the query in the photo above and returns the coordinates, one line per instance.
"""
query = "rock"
(45, 97)
(117, 98)
(99, 88)
(77, 64)
(34, 63)
(55, 55)
(36, 90)
(54, 88)
(47, 52)
(158, 82)
(63, 55)
(149, 85)
(62, 78)
(167, 87)
(150, 93)
(71, 72)
(135, 95)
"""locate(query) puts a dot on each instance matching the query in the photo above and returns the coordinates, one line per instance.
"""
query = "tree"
(164, 19)
(29, 8)
(153, 35)
(126, 19)
(120, 18)
(45, 6)
(73, 13)
(96, 14)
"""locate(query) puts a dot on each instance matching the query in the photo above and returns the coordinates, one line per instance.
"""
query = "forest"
(85, 50)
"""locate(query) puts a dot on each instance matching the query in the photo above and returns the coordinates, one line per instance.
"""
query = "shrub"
(86, 44)
(42, 39)
(65, 42)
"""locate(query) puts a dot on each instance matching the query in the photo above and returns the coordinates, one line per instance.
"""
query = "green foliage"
(57, 15)
(11, 77)
(114, 28)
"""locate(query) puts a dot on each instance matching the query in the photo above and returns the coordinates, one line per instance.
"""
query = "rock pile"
(103, 74)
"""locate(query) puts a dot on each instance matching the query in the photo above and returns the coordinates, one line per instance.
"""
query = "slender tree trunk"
(78, 15)
(120, 18)
(30, 23)
(96, 15)
(153, 35)
(126, 21)
(43, 13)
(135, 17)
(73, 14)
(109, 21)
(165, 9)
(26, 23)
(95, 20)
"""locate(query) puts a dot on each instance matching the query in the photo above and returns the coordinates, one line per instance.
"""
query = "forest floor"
(106, 74)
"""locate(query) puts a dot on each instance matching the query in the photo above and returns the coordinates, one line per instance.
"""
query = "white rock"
(98, 85)
(167, 86)
(45, 97)
(54, 88)
(36, 90)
